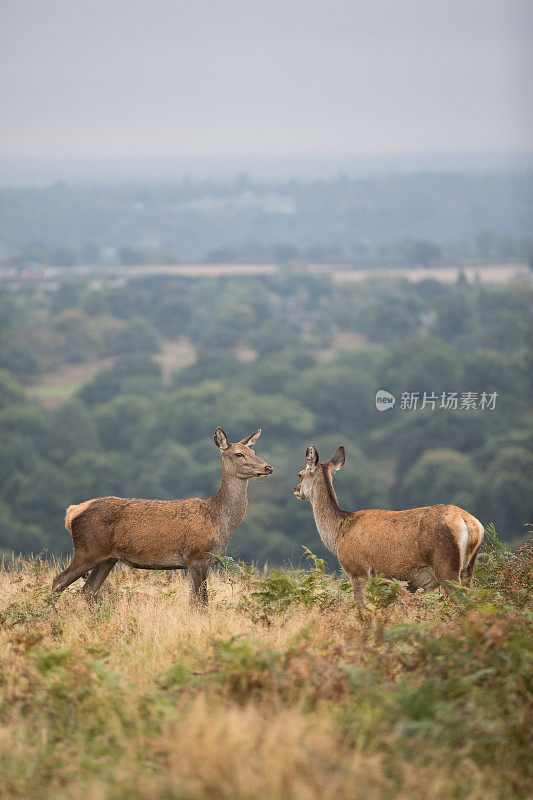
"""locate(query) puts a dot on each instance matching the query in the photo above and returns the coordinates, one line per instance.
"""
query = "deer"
(162, 534)
(425, 547)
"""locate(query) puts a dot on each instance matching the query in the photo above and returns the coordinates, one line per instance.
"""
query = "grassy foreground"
(282, 689)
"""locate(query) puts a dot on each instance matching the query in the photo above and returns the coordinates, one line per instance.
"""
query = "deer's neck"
(230, 501)
(329, 516)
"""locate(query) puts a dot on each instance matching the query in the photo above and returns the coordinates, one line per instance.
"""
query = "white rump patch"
(463, 542)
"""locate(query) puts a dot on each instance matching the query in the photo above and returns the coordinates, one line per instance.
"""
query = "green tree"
(505, 330)
(408, 436)
(420, 252)
(137, 336)
(193, 413)
(19, 455)
(271, 374)
(99, 475)
(73, 430)
(66, 296)
(440, 476)
(455, 315)
(490, 371)
(39, 496)
(173, 313)
(136, 374)
(209, 365)
(120, 421)
(18, 536)
(76, 333)
(389, 318)
(421, 365)
(20, 358)
(29, 422)
(273, 335)
(506, 493)
(169, 472)
(11, 392)
(334, 393)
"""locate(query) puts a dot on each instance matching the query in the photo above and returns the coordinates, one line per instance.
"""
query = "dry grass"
(142, 697)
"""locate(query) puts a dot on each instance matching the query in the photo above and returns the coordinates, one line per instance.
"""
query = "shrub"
(503, 575)
(517, 577)
(492, 561)
(383, 592)
(278, 588)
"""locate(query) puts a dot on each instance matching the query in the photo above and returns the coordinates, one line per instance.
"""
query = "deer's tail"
(74, 511)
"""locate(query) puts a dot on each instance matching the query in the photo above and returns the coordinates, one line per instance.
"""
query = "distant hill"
(342, 218)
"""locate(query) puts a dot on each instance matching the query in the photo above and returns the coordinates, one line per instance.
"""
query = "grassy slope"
(283, 689)
(53, 388)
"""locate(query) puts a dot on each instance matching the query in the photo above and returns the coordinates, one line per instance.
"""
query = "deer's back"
(397, 542)
(154, 533)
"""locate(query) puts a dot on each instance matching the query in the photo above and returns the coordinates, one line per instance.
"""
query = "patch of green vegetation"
(277, 589)
(381, 591)
(55, 391)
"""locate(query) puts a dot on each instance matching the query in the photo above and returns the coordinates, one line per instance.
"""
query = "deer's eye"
(239, 455)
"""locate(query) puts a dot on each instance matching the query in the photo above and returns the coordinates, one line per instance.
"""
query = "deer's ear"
(338, 458)
(249, 441)
(220, 439)
(311, 456)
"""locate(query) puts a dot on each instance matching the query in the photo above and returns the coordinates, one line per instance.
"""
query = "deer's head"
(313, 470)
(239, 458)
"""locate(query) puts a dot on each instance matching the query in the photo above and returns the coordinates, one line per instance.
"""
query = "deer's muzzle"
(267, 471)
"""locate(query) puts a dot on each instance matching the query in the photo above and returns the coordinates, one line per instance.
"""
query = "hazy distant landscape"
(136, 316)
(428, 218)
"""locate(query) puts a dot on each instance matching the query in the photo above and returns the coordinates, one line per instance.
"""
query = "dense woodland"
(299, 355)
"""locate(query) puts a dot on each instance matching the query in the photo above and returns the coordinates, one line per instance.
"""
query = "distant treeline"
(397, 219)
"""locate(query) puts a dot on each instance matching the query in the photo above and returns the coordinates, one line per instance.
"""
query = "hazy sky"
(169, 77)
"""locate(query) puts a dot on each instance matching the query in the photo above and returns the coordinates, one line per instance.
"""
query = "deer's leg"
(198, 584)
(59, 577)
(466, 574)
(76, 568)
(446, 558)
(357, 584)
(447, 572)
(97, 577)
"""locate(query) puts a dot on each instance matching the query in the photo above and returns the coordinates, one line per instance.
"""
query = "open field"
(53, 388)
(175, 353)
(283, 689)
(491, 273)
(495, 273)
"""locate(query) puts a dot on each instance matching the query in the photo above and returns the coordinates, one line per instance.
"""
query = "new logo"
(384, 400)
